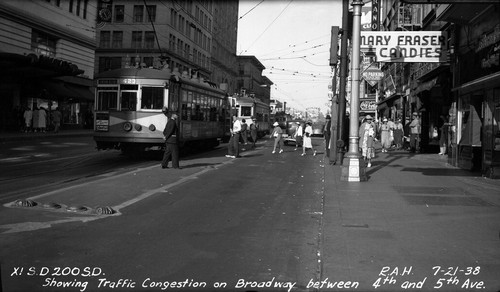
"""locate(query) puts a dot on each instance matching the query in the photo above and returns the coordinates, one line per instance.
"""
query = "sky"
(291, 38)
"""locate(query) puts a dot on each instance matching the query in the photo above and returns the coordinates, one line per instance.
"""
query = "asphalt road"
(252, 223)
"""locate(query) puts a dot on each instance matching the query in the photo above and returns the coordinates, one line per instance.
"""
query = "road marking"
(32, 226)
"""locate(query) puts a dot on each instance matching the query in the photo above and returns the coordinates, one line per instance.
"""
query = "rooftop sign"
(405, 46)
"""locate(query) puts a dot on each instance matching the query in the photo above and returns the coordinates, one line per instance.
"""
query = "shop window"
(471, 121)
(152, 97)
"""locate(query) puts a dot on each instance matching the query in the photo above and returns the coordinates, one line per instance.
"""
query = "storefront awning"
(68, 91)
(428, 85)
(389, 100)
(34, 66)
(480, 83)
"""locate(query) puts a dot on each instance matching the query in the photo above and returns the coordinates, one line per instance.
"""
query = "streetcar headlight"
(127, 126)
(138, 127)
(152, 128)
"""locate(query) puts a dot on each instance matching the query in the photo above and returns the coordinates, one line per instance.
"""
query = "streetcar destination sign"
(405, 46)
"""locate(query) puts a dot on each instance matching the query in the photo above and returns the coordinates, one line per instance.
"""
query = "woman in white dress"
(307, 142)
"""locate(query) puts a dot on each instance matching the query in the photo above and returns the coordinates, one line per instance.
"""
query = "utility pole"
(331, 149)
(354, 169)
(343, 75)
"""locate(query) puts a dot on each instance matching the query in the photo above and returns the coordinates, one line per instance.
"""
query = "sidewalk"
(20, 136)
(414, 213)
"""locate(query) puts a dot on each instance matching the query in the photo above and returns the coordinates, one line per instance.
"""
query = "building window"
(43, 44)
(136, 39)
(117, 40)
(105, 39)
(78, 6)
(71, 6)
(148, 61)
(151, 10)
(119, 13)
(152, 97)
(173, 17)
(138, 13)
(109, 63)
(149, 39)
(85, 6)
(171, 42)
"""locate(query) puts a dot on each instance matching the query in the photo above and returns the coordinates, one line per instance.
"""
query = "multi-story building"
(224, 39)
(457, 100)
(185, 34)
(474, 85)
(250, 79)
(47, 59)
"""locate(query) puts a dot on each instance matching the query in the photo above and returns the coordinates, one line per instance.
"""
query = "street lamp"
(353, 168)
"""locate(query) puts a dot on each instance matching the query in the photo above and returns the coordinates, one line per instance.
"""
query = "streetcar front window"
(129, 101)
(107, 100)
(246, 111)
(152, 97)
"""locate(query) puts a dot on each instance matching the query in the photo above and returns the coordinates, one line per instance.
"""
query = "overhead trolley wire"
(290, 2)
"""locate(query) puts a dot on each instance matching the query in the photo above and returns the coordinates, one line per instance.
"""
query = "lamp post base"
(353, 169)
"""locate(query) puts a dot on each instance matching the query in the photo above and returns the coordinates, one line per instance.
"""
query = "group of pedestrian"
(36, 120)
(302, 136)
(391, 135)
(239, 134)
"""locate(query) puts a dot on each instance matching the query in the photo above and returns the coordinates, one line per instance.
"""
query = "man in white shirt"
(298, 135)
(233, 150)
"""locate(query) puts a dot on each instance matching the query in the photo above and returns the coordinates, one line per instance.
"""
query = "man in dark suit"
(170, 134)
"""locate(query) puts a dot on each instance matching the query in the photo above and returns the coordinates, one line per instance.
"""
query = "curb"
(11, 137)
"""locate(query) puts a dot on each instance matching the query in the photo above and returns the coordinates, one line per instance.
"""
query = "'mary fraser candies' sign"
(405, 46)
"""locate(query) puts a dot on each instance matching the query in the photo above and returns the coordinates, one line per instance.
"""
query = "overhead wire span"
(290, 2)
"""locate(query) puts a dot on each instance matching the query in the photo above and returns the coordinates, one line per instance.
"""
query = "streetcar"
(247, 107)
(129, 103)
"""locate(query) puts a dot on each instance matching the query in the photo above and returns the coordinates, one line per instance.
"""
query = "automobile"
(318, 130)
(291, 128)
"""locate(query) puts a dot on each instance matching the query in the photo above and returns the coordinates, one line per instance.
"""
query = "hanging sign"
(405, 46)
(373, 75)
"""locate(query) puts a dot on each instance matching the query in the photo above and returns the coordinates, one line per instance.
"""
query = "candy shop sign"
(405, 46)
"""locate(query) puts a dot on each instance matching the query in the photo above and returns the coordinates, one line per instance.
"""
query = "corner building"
(47, 59)
(196, 38)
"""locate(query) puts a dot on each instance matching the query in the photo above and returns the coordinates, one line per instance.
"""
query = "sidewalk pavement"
(21, 136)
(416, 220)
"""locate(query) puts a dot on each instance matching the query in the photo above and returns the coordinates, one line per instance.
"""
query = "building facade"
(475, 85)
(191, 37)
(250, 80)
(458, 100)
(47, 56)
(224, 41)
